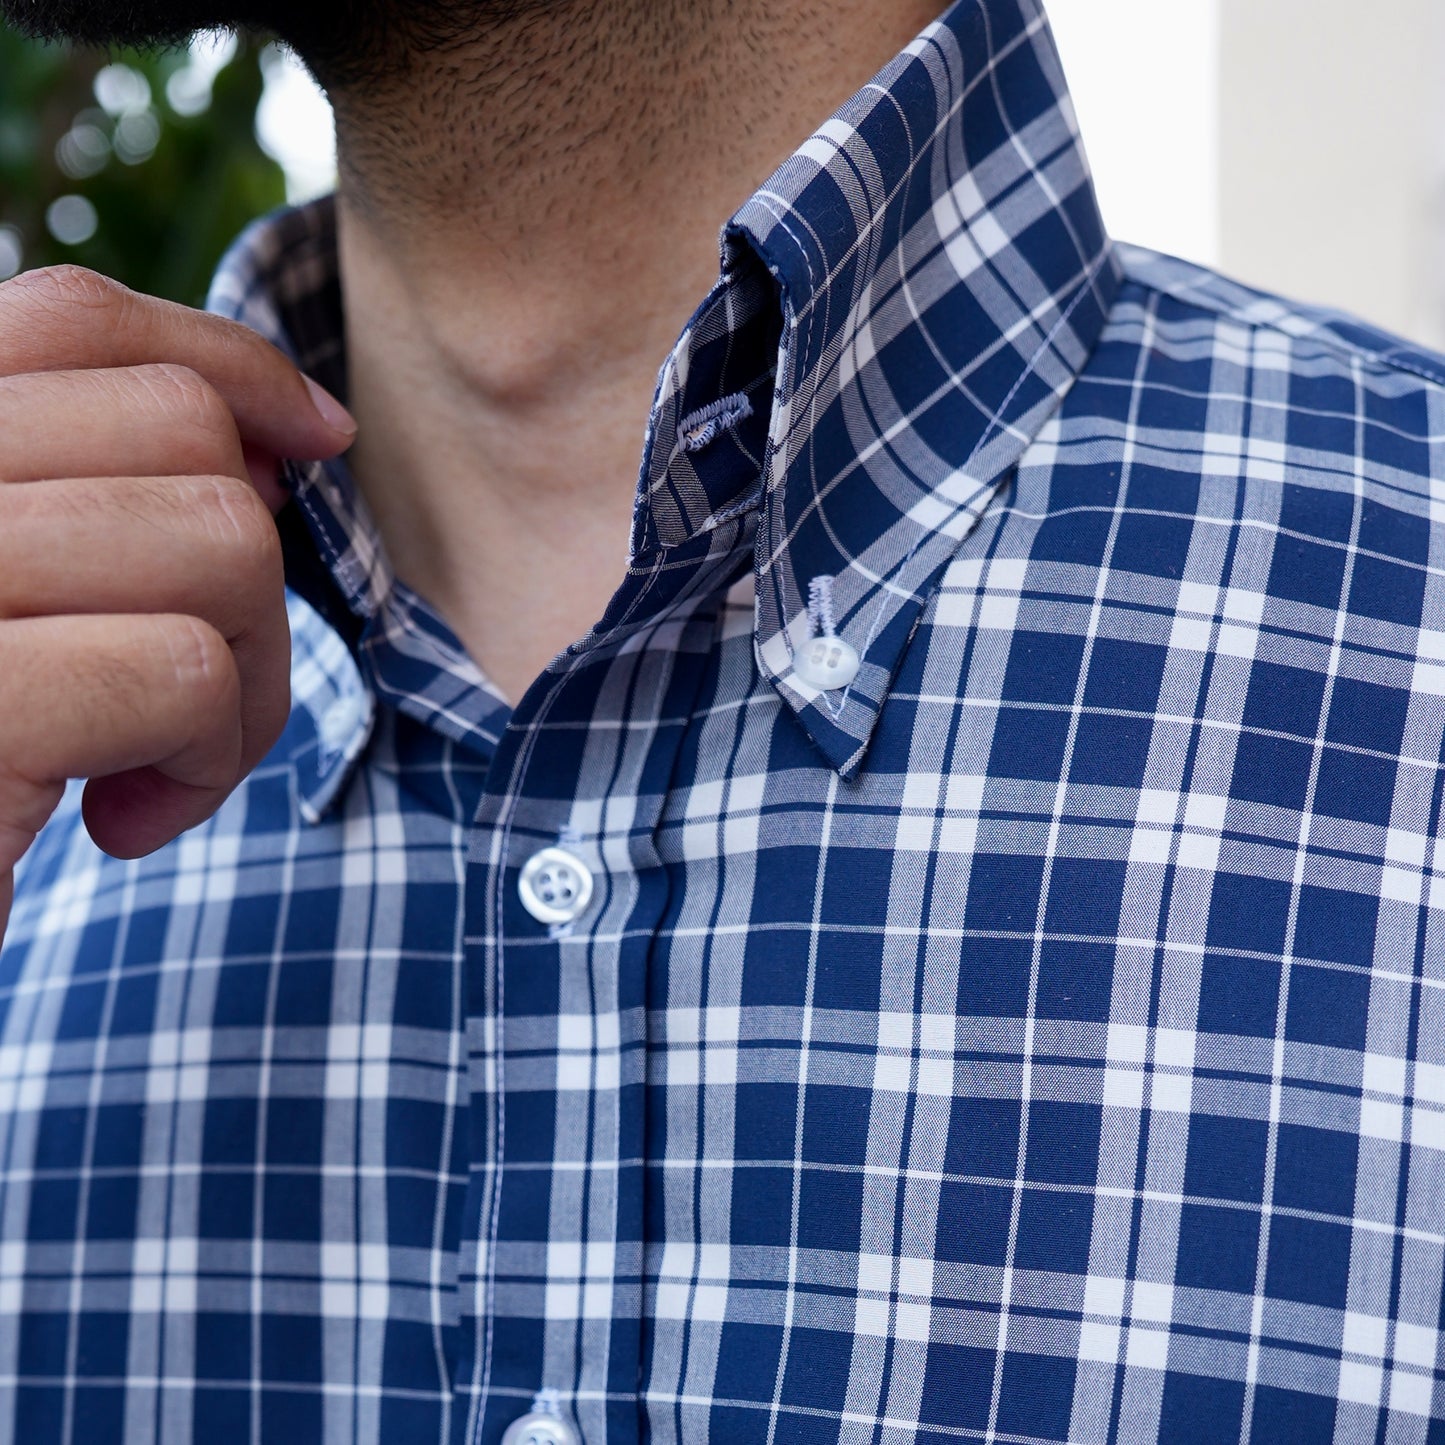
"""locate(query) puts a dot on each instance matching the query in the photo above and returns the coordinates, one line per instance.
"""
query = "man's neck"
(525, 226)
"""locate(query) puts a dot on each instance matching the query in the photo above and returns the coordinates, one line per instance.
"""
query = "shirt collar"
(944, 274)
(918, 286)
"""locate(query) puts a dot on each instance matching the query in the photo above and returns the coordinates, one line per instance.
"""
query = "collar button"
(827, 663)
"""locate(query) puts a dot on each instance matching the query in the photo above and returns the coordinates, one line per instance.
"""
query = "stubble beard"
(441, 105)
(346, 43)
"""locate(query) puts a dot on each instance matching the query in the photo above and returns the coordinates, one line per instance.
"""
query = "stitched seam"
(1320, 331)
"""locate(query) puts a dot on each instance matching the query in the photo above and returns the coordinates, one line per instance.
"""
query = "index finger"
(64, 318)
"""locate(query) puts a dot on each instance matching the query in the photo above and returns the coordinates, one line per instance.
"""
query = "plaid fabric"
(1042, 1038)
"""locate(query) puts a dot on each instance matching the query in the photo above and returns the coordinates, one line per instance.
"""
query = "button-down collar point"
(827, 663)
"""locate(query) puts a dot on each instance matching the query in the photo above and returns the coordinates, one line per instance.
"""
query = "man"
(953, 953)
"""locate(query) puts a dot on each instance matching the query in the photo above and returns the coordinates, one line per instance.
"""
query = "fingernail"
(330, 410)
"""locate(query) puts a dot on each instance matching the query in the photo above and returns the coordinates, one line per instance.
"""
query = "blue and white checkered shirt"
(1041, 1037)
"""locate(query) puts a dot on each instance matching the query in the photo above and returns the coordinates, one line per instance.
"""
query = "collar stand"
(722, 367)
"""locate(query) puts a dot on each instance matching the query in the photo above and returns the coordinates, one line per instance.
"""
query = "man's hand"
(143, 637)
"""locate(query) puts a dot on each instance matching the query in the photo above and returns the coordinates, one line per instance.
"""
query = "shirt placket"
(553, 1237)
(551, 1270)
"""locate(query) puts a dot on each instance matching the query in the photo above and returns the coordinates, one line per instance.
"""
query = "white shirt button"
(827, 663)
(541, 1428)
(555, 886)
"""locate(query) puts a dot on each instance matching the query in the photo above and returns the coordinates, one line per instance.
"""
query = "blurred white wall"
(1144, 75)
(1331, 142)
(1297, 144)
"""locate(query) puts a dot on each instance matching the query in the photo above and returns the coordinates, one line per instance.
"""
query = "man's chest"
(1077, 1049)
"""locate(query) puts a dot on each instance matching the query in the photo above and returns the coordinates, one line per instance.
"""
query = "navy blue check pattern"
(1041, 1039)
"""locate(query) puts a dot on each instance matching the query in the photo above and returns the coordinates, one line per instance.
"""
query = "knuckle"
(183, 393)
(60, 287)
(201, 433)
(236, 516)
(200, 429)
(201, 663)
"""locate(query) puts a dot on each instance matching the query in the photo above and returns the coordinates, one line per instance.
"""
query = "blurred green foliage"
(171, 178)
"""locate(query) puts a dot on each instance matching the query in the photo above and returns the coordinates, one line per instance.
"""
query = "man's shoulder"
(1314, 337)
(1239, 403)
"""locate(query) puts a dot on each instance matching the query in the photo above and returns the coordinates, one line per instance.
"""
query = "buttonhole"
(705, 425)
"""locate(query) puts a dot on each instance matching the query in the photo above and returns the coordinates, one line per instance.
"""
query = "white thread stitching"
(820, 606)
(705, 425)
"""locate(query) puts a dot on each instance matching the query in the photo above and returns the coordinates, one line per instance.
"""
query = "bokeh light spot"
(83, 151)
(136, 137)
(122, 90)
(12, 254)
(72, 220)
